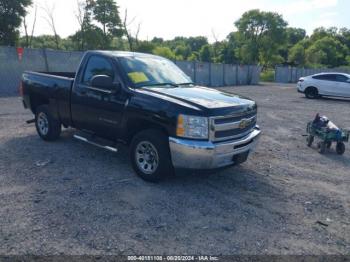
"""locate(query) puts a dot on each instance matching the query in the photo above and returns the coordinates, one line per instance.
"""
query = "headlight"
(192, 127)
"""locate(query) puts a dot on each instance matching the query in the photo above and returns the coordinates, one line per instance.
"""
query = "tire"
(311, 93)
(48, 128)
(340, 148)
(309, 140)
(153, 145)
(322, 147)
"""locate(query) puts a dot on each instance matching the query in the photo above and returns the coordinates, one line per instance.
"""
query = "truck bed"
(53, 88)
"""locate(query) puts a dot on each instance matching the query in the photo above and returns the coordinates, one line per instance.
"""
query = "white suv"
(325, 84)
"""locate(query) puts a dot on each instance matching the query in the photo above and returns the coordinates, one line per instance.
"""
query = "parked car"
(148, 103)
(325, 84)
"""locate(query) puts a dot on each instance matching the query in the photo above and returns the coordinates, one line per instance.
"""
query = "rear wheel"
(340, 148)
(322, 147)
(150, 155)
(48, 128)
(311, 92)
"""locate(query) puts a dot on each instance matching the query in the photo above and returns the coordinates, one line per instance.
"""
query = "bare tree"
(50, 19)
(216, 38)
(129, 35)
(29, 38)
(26, 30)
(33, 26)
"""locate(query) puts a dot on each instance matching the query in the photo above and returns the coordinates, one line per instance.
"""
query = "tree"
(132, 40)
(260, 34)
(206, 53)
(11, 14)
(164, 52)
(29, 38)
(196, 43)
(83, 16)
(145, 47)
(93, 38)
(182, 52)
(106, 12)
(327, 51)
(297, 55)
(294, 35)
(322, 32)
(50, 19)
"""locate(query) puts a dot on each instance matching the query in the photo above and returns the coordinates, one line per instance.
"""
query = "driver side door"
(95, 109)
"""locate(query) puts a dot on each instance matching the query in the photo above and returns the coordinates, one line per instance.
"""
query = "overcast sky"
(170, 18)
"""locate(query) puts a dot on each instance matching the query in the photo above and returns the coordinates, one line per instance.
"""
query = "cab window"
(97, 66)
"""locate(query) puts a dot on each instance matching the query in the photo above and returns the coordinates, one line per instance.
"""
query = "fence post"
(248, 75)
(194, 72)
(275, 73)
(45, 60)
(236, 74)
(210, 82)
(224, 74)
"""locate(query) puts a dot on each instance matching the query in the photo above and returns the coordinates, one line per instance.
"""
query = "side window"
(341, 78)
(97, 66)
(319, 77)
(330, 77)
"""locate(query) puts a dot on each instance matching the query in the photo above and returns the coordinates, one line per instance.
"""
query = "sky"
(170, 18)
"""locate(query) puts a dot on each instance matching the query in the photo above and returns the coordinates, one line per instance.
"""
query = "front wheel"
(48, 128)
(311, 93)
(150, 155)
(310, 140)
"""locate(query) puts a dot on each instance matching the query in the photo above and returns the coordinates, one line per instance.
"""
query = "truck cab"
(148, 103)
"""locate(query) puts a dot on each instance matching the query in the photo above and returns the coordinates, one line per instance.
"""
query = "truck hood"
(203, 98)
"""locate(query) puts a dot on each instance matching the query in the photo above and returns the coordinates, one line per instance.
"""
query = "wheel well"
(310, 88)
(136, 126)
(38, 100)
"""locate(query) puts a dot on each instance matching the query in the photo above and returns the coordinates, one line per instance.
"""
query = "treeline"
(260, 38)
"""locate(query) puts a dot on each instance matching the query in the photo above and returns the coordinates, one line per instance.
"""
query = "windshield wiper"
(185, 84)
(163, 84)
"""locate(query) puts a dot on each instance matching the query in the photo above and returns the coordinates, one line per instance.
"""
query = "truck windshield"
(153, 71)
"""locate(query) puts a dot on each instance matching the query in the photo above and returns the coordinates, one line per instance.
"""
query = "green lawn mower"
(328, 133)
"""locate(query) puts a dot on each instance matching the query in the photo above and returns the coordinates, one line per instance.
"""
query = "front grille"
(231, 119)
(232, 127)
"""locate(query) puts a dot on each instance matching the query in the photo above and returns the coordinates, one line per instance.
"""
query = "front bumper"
(194, 154)
(300, 88)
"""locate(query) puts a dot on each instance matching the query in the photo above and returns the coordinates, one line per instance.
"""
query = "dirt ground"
(68, 197)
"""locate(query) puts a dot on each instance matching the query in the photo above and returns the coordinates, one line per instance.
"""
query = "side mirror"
(105, 82)
(102, 81)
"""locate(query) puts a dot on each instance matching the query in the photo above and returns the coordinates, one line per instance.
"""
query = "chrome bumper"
(194, 154)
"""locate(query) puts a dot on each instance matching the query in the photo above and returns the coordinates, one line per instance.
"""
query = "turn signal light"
(180, 129)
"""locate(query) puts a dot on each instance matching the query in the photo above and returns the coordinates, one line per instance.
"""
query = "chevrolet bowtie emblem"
(244, 123)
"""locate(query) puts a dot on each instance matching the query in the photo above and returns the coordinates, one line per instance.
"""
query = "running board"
(109, 148)
(31, 121)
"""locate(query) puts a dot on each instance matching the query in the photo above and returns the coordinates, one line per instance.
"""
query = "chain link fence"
(44, 60)
(287, 74)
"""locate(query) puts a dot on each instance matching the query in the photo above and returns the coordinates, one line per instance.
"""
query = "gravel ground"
(68, 197)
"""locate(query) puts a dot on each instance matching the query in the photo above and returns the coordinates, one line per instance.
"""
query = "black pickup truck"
(147, 102)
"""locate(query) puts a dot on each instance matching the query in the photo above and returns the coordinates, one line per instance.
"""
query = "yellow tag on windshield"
(138, 77)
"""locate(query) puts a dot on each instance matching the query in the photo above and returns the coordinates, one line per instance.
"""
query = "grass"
(267, 75)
